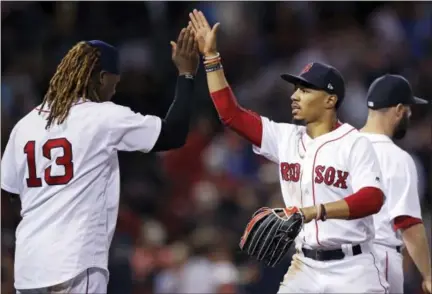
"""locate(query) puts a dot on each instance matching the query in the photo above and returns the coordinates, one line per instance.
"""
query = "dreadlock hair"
(77, 76)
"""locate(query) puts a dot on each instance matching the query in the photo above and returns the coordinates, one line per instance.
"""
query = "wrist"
(212, 63)
(211, 54)
(309, 213)
(186, 74)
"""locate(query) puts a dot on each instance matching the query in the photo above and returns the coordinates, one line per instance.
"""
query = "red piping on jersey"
(378, 272)
(386, 270)
(338, 124)
(244, 122)
(301, 140)
(46, 111)
(405, 221)
(313, 172)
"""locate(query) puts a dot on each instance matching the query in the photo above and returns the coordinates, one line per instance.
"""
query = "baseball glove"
(269, 234)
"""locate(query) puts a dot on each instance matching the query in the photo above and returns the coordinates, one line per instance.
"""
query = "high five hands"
(204, 34)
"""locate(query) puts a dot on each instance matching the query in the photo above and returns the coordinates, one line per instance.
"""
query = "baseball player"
(61, 159)
(399, 222)
(328, 173)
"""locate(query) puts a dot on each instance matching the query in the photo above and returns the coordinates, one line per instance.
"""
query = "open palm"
(204, 34)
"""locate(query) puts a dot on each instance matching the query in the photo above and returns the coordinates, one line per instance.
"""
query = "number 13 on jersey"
(35, 180)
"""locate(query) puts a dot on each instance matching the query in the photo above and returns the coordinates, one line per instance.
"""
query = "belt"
(398, 249)
(326, 255)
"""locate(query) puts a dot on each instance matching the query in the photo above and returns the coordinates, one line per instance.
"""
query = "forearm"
(334, 210)
(216, 80)
(246, 123)
(416, 242)
(175, 126)
(365, 202)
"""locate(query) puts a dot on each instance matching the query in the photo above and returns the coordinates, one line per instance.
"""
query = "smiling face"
(308, 104)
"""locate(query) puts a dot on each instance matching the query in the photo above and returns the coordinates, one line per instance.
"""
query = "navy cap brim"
(420, 101)
(297, 80)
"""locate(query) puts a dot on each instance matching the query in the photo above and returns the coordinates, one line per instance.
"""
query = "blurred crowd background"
(183, 212)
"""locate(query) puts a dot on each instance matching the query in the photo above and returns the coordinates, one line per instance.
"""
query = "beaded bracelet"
(212, 57)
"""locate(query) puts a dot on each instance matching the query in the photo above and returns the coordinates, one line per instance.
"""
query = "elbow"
(226, 121)
(379, 201)
(173, 135)
(179, 139)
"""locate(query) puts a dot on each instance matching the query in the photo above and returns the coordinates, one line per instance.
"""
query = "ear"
(331, 101)
(101, 77)
(399, 110)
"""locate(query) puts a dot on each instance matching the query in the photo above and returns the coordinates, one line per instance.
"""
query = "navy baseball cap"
(391, 90)
(109, 58)
(320, 77)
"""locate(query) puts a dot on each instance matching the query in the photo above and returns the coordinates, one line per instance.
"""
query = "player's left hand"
(205, 35)
(427, 287)
(185, 52)
(269, 234)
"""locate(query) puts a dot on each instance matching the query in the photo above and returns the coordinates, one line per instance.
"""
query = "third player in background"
(399, 223)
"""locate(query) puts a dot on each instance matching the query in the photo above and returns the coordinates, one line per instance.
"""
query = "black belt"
(326, 255)
(399, 249)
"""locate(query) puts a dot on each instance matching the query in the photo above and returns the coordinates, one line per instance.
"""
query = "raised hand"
(185, 52)
(204, 34)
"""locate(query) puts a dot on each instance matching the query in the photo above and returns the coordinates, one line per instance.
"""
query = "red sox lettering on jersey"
(330, 176)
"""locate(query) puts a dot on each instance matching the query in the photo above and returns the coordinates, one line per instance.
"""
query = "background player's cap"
(109, 58)
(321, 77)
(391, 90)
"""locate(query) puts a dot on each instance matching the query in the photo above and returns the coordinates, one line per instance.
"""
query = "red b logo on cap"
(306, 68)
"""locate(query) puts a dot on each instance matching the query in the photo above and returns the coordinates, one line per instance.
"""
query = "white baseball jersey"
(400, 186)
(68, 181)
(321, 170)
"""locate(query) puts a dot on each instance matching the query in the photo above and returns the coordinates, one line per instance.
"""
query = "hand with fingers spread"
(185, 52)
(205, 35)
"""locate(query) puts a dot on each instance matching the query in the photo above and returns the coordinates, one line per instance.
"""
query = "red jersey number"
(65, 160)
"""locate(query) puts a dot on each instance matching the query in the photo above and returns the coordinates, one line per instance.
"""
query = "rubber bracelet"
(323, 213)
(319, 212)
(213, 67)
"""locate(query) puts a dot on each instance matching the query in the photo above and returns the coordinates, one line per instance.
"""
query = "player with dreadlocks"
(76, 77)
(61, 161)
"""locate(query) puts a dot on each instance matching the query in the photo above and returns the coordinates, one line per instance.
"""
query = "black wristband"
(213, 67)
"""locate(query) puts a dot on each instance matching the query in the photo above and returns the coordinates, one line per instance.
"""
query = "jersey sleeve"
(363, 166)
(130, 131)
(272, 136)
(9, 176)
(402, 188)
